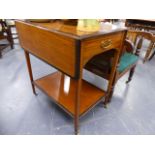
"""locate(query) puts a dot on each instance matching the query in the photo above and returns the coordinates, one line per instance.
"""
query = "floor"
(132, 109)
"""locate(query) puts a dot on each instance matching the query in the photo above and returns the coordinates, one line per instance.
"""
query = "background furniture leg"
(30, 70)
(10, 39)
(0, 53)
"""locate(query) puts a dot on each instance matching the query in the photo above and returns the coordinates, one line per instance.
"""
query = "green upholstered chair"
(101, 65)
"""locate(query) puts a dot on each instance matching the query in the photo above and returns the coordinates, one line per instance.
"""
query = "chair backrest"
(137, 36)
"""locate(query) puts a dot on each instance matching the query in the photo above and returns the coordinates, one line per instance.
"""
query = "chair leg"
(131, 74)
(140, 43)
(0, 54)
(152, 55)
(148, 52)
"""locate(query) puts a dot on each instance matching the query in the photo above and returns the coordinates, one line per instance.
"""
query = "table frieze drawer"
(100, 45)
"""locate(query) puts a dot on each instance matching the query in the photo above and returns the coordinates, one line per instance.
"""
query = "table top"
(58, 26)
(56, 41)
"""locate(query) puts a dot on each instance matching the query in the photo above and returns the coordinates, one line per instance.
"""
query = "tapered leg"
(108, 97)
(113, 78)
(131, 74)
(110, 94)
(77, 106)
(30, 70)
(105, 103)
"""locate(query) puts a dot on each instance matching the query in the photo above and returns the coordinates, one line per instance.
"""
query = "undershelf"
(61, 89)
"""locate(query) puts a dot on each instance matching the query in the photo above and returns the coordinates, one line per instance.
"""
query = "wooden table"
(68, 50)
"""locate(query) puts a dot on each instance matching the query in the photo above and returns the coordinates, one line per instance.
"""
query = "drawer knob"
(106, 44)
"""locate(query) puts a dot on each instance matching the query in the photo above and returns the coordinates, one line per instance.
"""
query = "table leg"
(112, 78)
(30, 70)
(112, 89)
(77, 105)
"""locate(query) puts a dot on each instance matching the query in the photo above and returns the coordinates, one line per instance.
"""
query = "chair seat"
(100, 64)
(127, 60)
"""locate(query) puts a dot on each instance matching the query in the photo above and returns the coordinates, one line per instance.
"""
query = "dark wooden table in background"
(147, 24)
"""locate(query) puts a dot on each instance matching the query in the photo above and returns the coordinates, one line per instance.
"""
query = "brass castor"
(77, 132)
(105, 106)
(35, 94)
(128, 81)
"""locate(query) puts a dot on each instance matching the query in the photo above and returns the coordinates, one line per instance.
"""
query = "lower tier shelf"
(61, 89)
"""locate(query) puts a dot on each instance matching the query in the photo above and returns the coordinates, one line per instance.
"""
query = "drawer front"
(99, 45)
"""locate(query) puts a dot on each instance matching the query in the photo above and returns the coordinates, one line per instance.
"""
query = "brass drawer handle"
(106, 44)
